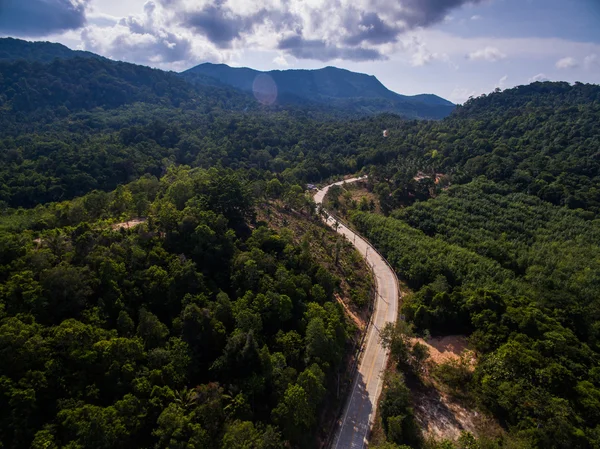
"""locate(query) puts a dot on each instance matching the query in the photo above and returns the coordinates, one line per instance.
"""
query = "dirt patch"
(360, 323)
(442, 417)
(443, 349)
(129, 224)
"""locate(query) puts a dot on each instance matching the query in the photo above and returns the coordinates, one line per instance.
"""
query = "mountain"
(84, 84)
(17, 49)
(358, 92)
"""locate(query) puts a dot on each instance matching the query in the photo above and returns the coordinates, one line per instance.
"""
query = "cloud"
(539, 77)
(566, 63)
(461, 94)
(502, 82)
(420, 53)
(103, 20)
(220, 25)
(476, 17)
(591, 61)
(33, 18)
(281, 61)
(491, 54)
(321, 30)
(142, 39)
(373, 30)
(318, 49)
(423, 13)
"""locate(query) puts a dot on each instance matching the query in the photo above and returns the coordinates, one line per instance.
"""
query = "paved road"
(359, 412)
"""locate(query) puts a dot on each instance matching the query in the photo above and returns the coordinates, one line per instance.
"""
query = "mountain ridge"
(332, 90)
(325, 85)
(12, 49)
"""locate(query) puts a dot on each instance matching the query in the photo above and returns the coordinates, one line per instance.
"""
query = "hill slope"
(84, 84)
(17, 49)
(342, 88)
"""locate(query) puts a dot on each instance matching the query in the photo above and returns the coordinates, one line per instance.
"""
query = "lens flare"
(264, 89)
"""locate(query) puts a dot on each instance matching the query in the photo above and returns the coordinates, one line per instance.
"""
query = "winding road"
(357, 418)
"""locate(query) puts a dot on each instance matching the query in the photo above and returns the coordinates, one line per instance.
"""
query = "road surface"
(359, 412)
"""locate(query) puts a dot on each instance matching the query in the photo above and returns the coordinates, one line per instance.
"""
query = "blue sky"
(453, 48)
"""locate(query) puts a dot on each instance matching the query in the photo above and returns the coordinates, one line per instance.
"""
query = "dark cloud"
(372, 29)
(317, 49)
(41, 17)
(423, 13)
(221, 25)
(360, 32)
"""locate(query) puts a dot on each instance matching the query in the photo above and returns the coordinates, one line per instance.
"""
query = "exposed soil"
(442, 417)
(129, 224)
(439, 414)
(360, 322)
(443, 349)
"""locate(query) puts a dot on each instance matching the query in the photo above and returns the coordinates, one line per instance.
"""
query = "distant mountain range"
(329, 89)
(330, 85)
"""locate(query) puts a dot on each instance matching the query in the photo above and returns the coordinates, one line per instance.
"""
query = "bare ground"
(439, 414)
(442, 417)
(129, 224)
(443, 349)
(359, 321)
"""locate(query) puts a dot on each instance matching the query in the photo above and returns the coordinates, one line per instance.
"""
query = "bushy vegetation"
(191, 330)
(534, 326)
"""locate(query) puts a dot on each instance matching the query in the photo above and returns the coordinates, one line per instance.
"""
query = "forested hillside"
(198, 328)
(64, 86)
(542, 139)
(493, 223)
(17, 49)
(521, 278)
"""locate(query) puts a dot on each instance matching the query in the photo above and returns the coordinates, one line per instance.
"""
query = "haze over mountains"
(332, 89)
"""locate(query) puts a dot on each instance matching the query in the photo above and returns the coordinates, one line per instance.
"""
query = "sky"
(451, 48)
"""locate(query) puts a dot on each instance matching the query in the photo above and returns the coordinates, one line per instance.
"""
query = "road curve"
(359, 412)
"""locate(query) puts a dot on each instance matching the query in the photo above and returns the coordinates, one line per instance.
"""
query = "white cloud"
(476, 17)
(532, 48)
(502, 82)
(281, 61)
(461, 94)
(418, 52)
(146, 38)
(356, 30)
(490, 54)
(591, 61)
(566, 63)
(538, 77)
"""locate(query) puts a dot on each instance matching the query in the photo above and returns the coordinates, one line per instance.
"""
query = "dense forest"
(522, 278)
(205, 326)
(200, 327)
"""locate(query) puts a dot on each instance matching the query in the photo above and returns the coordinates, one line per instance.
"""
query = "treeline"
(190, 330)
